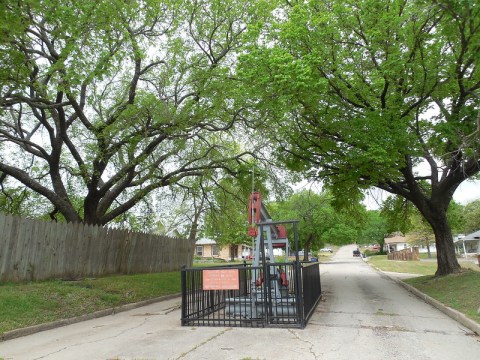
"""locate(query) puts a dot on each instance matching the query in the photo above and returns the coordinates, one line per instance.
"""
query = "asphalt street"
(363, 315)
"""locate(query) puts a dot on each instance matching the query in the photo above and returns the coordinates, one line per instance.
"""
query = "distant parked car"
(326, 250)
(356, 252)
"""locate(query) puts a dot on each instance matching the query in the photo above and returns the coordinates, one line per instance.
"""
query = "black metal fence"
(311, 289)
(279, 294)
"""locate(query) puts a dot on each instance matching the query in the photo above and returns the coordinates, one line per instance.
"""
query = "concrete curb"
(63, 322)
(454, 314)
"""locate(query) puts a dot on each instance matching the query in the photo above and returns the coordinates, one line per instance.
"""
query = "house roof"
(205, 241)
(397, 239)
(473, 236)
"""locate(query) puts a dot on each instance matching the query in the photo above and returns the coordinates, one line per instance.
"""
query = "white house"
(468, 244)
(400, 242)
(395, 243)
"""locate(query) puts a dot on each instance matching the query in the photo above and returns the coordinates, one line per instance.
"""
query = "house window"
(214, 250)
(200, 250)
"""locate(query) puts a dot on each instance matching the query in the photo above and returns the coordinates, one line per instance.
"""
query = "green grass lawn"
(27, 304)
(460, 291)
(412, 267)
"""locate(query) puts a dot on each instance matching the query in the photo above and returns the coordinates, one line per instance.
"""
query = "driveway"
(363, 316)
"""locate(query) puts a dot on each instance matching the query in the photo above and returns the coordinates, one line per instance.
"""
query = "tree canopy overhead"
(376, 93)
(102, 102)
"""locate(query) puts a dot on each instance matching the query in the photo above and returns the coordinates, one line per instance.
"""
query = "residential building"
(399, 242)
(395, 243)
(468, 244)
(207, 248)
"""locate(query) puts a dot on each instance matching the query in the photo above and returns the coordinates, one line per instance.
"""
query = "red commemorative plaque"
(224, 279)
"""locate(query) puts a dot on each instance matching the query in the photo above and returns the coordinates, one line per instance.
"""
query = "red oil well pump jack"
(274, 288)
(275, 236)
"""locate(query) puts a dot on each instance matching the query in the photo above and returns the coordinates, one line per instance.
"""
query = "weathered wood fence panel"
(405, 254)
(37, 250)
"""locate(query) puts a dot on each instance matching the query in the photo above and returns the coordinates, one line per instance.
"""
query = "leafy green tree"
(420, 232)
(319, 222)
(361, 93)
(313, 211)
(471, 214)
(226, 217)
(397, 213)
(340, 233)
(455, 215)
(227, 204)
(375, 228)
(21, 201)
(11, 200)
(402, 216)
(104, 102)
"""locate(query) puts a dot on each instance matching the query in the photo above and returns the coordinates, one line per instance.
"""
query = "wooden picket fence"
(38, 250)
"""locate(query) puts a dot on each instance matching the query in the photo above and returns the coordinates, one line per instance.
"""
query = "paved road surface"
(363, 316)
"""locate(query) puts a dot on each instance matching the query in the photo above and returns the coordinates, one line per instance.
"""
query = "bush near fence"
(410, 254)
(38, 250)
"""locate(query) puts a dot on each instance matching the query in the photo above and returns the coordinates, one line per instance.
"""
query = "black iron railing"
(311, 289)
(279, 294)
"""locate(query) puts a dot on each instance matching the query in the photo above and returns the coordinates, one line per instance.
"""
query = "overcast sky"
(467, 192)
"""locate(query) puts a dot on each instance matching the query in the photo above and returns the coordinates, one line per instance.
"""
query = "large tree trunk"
(433, 204)
(307, 246)
(446, 258)
(198, 209)
(90, 207)
(436, 215)
(427, 243)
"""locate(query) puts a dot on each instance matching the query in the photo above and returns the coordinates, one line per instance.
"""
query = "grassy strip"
(33, 303)
(460, 291)
(412, 267)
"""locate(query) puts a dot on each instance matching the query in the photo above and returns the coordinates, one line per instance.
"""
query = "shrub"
(374, 253)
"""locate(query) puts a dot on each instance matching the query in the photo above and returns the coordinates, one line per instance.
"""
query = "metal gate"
(272, 295)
